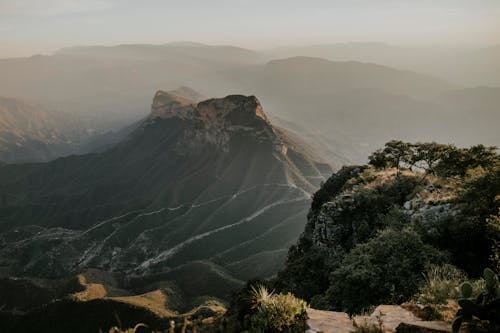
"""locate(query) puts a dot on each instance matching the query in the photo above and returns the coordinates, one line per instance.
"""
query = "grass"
(436, 298)
(440, 284)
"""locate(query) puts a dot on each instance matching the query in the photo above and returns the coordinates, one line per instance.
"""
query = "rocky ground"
(391, 318)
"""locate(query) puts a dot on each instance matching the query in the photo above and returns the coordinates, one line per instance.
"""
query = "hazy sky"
(41, 26)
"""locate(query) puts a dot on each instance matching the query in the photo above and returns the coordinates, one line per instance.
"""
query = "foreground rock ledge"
(394, 318)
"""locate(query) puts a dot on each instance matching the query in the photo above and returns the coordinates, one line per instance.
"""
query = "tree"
(428, 154)
(394, 154)
(457, 162)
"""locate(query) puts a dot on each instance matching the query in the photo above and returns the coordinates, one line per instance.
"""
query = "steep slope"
(30, 132)
(104, 141)
(210, 182)
(373, 230)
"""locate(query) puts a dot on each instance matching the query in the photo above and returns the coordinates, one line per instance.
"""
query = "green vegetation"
(386, 269)
(256, 309)
(482, 313)
(374, 230)
(440, 284)
(434, 158)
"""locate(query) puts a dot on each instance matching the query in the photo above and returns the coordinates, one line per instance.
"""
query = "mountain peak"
(232, 110)
(167, 104)
(215, 120)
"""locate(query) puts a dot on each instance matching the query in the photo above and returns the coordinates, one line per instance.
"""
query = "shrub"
(477, 233)
(386, 269)
(279, 313)
(440, 284)
(482, 313)
(241, 302)
(272, 312)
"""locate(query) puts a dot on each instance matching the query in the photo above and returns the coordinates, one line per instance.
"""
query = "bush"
(440, 284)
(481, 313)
(278, 313)
(270, 312)
(386, 269)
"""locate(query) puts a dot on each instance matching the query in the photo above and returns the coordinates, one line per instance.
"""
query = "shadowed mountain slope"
(210, 182)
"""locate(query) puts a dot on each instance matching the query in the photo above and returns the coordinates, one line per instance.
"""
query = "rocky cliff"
(216, 121)
(372, 232)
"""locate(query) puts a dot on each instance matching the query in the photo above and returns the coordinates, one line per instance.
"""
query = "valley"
(197, 188)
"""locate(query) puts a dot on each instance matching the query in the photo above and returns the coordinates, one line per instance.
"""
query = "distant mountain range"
(355, 107)
(211, 184)
(116, 83)
(31, 132)
(350, 106)
(471, 66)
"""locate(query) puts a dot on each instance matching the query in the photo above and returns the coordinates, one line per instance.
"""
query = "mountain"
(322, 76)
(216, 55)
(108, 139)
(114, 83)
(472, 66)
(354, 107)
(196, 187)
(350, 103)
(31, 132)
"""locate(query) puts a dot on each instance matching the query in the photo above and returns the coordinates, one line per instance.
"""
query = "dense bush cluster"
(386, 269)
(374, 230)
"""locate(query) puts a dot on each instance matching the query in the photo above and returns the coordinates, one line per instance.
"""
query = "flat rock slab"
(393, 318)
(329, 322)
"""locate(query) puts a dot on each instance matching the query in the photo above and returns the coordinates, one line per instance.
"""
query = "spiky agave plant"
(259, 294)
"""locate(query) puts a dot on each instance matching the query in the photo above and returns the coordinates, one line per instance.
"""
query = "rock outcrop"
(216, 120)
(390, 318)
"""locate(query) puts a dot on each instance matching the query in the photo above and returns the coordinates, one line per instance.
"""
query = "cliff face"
(371, 233)
(216, 121)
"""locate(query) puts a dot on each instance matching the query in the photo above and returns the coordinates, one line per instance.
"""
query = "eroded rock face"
(168, 104)
(216, 121)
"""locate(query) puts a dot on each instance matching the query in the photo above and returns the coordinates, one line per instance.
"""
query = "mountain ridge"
(222, 186)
